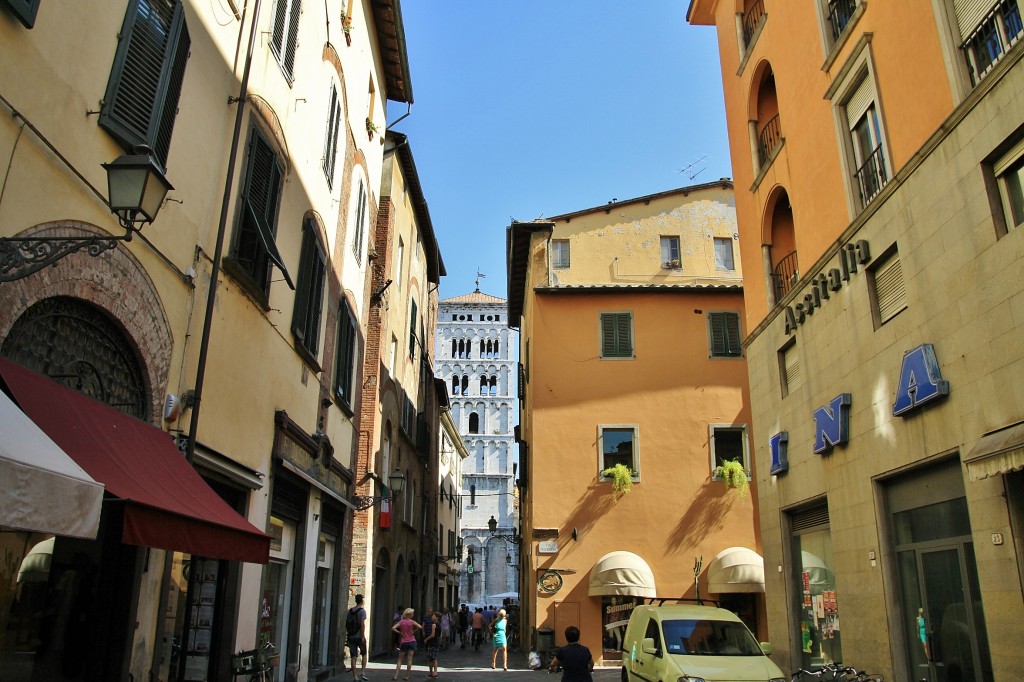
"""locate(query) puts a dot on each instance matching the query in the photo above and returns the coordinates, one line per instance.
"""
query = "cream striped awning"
(998, 452)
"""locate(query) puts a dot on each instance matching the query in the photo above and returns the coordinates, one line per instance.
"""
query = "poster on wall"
(204, 596)
(615, 613)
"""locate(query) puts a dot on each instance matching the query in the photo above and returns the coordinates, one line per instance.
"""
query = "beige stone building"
(267, 119)
(877, 151)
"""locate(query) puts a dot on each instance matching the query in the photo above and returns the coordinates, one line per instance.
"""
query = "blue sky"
(534, 108)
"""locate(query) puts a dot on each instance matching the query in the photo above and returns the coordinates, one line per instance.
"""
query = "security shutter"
(860, 100)
(289, 500)
(25, 10)
(807, 519)
(791, 364)
(890, 293)
(616, 340)
(725, 334)
(969, 14)
(142, 95)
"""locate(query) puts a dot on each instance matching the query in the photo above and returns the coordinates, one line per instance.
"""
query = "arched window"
(474, 423)
(496, 346)
(494, 385)
(472, 500)
(465, 384)
(483, 349)
(455, 385)
(483, 385)
(455, 348)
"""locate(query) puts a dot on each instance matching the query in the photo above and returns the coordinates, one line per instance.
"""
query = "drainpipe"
(211, 298)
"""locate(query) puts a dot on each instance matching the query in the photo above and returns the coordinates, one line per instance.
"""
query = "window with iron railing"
(987, 37)
(784, 275)
(769, 136)
(839, 14)
(871, 176)
(751, 19)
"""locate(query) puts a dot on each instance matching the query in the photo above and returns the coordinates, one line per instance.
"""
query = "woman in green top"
(499, 640)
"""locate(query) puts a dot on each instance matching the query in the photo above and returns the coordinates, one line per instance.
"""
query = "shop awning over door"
(998, 452)
(167, 504)
(43, 490)
(622, 573)
(736, 569)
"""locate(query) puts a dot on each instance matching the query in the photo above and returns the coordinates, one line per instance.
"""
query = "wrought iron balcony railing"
(751, 18)
(767, 139)
(784, 275)
(871, 176)
(839, 14)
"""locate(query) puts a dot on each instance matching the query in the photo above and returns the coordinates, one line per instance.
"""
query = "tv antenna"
(691, 168)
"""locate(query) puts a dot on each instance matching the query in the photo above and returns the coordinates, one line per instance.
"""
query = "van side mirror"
(647, 646)
(766, 648)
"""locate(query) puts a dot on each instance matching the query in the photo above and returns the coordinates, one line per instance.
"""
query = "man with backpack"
(355, 632)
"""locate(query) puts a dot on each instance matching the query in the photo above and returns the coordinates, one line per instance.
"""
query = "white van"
(687, 642)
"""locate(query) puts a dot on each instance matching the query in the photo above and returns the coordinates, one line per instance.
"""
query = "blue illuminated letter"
(779, 444)
(832, 424)
(920, 380)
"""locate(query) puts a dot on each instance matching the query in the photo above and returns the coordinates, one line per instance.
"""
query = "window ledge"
(307, 355)
(768, 164)
(246, 283)
(837, 46)
(753, 41)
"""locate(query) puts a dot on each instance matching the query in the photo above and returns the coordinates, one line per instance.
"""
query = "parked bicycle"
(258, 664)
(835, 672)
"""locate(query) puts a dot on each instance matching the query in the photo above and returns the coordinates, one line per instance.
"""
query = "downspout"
(211, 298)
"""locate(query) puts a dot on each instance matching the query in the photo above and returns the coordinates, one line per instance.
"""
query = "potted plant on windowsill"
(621, 477)
(371, 127)
(346, 26)
(733, 475)
(673, 264)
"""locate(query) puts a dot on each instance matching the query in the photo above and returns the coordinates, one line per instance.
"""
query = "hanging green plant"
(622, 478)
(733, 475)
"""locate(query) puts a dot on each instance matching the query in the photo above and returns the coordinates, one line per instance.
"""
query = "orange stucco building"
(630, 317)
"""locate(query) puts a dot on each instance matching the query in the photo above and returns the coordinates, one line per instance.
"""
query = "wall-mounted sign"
(850, 256)
(832, 424)
(779, 446)
(550, 582)
(920, 380)
(547, 547)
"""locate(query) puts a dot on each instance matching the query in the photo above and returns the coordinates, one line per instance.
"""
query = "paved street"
(465, 665)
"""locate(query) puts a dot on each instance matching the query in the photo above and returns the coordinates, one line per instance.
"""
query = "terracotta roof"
(475, 297)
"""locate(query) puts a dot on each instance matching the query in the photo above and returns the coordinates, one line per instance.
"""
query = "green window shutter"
(331, 143)
(24, 10)
(255, 247)
(309, 292)
(616, 337)
(412, 329)
(725, 334)
(141, 101)
(285, 33)
(345, 362)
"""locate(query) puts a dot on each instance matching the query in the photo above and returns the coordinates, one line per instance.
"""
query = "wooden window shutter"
(331, 144)
(255, 247)
(615, 335)
(24, 10)
(309, 293)
(412, 329)
(141, 101)
(725, 334)
(285, 32)
(890, 293)
(345, 367)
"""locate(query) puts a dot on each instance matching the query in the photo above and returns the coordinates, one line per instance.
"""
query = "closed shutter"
(810, 518)
(25, 10)
(345, 368)
(331, 144)
(791, 365)
(293, 38)
(289, 500)
(615, 335)
(262, 194)
(890, 293)
(860, 100)
(278, 30)
(141, 101)
(725, 334)
(309, 294)
(969, 14)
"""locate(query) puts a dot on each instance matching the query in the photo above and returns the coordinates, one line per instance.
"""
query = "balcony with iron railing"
(784, 275)
(767, 140)
(997, 32)
(839, 14)
(751, 19)
(871, 176)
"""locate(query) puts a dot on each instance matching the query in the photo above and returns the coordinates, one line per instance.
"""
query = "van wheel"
(625, 675)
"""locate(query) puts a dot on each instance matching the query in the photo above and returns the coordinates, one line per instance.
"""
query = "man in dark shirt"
(575, 659)
(463, 624)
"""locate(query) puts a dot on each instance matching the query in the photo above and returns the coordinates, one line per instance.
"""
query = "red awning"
(168, 505)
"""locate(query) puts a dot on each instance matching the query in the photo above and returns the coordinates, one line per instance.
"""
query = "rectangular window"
(309, 294)
(24, 10)
(331, 141)
(560, 253)
(399, 262)
(616, 335)
(359, 231)
(887, 288)
(868, 162)
(724, 334)
(255, 248)
(1009, 172)
(345, 357)
(619, 446)
(723, 254)
(840, 12)
(393, 357)
(988, 29)
(141, 101)
(729, 444)
(815, 601)
(670, 253)
(789, 367)
(412, 330)
(285, 34)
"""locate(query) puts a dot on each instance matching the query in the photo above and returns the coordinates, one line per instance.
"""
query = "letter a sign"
(920, 380)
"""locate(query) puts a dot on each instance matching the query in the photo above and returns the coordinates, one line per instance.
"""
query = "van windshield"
(709, 638)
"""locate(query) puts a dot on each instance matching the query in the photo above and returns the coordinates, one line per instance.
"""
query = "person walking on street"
(478, 628)
(463, 624)
(499, 640)
(355, 632)
(576, 660)
(431, 641)
(446, 628)
(406, 630)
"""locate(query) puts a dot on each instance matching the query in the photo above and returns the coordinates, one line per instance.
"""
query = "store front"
(817, 605)
(736, 575)
(621, 580)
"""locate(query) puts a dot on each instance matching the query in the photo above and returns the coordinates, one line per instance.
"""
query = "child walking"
(432, 641)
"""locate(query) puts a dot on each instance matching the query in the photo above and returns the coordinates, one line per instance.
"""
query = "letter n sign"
(832, 424)
(778, 445)
(920, 380)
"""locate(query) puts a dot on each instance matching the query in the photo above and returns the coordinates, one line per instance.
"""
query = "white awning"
(44, 491)
(998, 452)
(622, 573)
(736, 569)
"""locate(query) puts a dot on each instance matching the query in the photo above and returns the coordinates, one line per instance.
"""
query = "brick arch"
(318, 220)
(271, 124)
(115, 282)
(330, 55)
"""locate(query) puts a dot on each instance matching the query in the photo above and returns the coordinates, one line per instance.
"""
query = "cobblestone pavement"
(466, 665)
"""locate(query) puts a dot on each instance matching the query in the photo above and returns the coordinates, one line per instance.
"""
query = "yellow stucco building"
(631, 316)
(877, 153)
